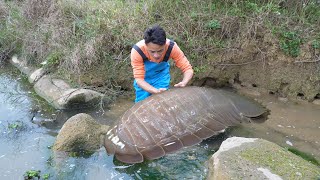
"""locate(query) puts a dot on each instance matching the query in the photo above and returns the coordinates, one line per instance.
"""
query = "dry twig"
(311, 61)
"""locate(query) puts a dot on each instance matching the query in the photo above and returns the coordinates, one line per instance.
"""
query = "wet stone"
(316, 102)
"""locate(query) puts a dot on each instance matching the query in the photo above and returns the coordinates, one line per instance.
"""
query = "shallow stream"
(28, 127)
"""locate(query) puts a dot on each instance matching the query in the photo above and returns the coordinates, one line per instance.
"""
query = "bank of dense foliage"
(89, 41)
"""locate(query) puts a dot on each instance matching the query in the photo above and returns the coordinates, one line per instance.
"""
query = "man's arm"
(183, 64)
(147, 87)
(187, 75)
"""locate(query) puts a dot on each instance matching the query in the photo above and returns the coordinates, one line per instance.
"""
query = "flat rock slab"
(252, 158)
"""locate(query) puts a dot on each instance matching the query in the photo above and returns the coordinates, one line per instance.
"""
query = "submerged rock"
(80, 133)
(252, 158)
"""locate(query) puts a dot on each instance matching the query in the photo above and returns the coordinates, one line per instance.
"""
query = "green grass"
(77, 37)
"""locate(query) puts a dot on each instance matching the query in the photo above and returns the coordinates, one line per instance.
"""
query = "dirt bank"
(261, 63)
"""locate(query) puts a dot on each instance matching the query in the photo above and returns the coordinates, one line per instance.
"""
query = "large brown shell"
(166, 122)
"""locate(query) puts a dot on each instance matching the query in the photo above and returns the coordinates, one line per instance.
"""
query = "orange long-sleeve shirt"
(176, 54)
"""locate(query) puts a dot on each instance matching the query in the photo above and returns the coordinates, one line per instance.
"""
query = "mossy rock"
(252, 158)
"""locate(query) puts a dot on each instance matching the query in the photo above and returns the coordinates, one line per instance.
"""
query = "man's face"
(155, 50)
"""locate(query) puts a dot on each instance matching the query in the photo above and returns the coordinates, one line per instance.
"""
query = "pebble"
(289, 143)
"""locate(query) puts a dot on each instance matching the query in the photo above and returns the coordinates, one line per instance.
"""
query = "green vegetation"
(53, 59)
(15, 126)
(315, 44)
(89, 42)
(32, 174)
(214, 24)
(290, 43)
(35, 174)
(82, 153)
(305, 156)
(46, 176)
(200, 69)
(275, 158)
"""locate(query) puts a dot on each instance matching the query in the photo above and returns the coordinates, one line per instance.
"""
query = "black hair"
(155, 34)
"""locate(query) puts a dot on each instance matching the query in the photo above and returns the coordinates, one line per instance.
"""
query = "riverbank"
(268, 44)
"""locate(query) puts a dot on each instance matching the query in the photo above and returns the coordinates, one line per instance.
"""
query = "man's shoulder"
(135, 55)
(141, 43)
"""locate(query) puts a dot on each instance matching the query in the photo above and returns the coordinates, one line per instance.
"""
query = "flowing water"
(28, 127)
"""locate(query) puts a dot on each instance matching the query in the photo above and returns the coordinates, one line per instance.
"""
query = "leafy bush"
(290, 43)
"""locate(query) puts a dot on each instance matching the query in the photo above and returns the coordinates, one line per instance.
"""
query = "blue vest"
(156, 74)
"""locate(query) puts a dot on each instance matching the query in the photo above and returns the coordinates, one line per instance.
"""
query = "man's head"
(155, 35)
(155, 39)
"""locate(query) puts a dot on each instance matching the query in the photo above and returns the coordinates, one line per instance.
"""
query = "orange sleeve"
(180, 59)
(137, 65)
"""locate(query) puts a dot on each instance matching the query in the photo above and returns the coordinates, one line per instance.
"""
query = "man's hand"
(160, 90)
(180, 84)
(147, 87)
(186, 78)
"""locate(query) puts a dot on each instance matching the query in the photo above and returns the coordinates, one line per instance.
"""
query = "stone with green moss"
(252, 158)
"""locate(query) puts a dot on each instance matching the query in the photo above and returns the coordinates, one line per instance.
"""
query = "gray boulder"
(252, 158)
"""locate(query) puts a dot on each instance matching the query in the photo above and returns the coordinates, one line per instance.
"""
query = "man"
(149, 60)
